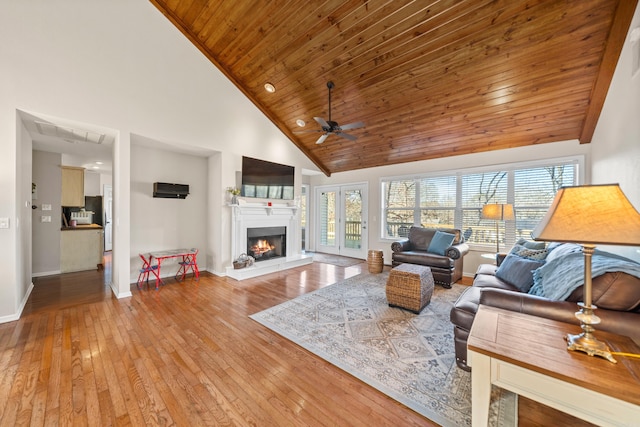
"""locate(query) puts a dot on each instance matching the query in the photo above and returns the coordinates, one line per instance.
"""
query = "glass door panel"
(327, 219)
(342, 220)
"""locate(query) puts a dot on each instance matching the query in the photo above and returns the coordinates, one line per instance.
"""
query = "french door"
(341, 214)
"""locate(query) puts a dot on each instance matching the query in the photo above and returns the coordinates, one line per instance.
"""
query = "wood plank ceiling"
(429, 79)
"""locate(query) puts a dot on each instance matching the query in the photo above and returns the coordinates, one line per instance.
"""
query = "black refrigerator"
(94, 204)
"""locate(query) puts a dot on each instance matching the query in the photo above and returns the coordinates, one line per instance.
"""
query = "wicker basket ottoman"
(410, 286)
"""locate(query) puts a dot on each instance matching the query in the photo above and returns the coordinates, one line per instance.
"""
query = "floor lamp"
(498, 212)
(590, 215)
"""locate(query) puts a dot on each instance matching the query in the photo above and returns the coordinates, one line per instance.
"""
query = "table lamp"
(497, 212)
(590, 215)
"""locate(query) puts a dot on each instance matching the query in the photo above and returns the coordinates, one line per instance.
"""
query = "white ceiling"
(89, 146)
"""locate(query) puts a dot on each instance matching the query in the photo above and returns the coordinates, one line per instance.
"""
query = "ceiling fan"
(330, 127)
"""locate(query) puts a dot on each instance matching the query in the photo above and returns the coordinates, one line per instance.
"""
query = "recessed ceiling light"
(300, 123)
(96, 167)
(98, 163)
(269, 87)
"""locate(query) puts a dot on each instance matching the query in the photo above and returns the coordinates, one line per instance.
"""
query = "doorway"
(342, 220)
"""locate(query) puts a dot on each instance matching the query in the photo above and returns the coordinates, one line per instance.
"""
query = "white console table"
(528, 356)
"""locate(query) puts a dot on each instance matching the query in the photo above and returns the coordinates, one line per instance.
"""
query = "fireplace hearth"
(264, 243)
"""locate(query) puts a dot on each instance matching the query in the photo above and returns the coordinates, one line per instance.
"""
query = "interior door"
(342, 220)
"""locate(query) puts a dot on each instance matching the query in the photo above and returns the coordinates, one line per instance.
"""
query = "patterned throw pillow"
(533, 254)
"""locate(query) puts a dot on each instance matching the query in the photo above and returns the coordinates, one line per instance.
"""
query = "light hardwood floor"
(187, 354)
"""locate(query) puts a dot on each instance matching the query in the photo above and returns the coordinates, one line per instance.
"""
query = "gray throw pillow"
(440, 242)
(518, 271)
(530, 244)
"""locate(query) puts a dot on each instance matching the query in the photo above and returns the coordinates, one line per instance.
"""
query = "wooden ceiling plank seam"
(322, 71)
(189, 10)
(472, 112)
(425, 126)
(342, 24)
(467, 146)
(206, 15)
(231, 30)
(357, 33)
(516, 49)
(220, 33)
(257, 35)
(545, 72)
(619, 29)
(410, 148)
(424, 130)
(433, 30)
(440, 37)
(480, 50)
(525, 84)
(318, 24)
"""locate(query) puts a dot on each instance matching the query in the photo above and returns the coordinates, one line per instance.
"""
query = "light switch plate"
(46, 207)
(4, 222)
(45, 218)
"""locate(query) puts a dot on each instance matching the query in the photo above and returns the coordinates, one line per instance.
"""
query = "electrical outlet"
(4, 222)
(45, 218)
(46, 207)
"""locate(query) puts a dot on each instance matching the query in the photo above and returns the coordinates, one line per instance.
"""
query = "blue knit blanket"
(561, 275)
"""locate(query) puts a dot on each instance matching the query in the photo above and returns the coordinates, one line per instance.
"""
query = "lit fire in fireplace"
(261, 247)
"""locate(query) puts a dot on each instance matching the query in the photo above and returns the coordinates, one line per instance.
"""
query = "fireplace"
(276, 222)
(264, 243)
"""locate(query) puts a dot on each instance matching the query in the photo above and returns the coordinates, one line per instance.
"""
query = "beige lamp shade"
(497, 211)
(590, 214)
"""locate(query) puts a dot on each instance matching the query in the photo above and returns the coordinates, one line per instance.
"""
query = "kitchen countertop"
(83, 227)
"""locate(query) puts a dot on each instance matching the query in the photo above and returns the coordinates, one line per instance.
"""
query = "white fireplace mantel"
(254, 215)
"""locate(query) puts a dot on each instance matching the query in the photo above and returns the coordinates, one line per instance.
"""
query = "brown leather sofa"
(414, 249)
(616, 294)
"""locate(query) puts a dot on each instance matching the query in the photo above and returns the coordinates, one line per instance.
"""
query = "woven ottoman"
(410, 286)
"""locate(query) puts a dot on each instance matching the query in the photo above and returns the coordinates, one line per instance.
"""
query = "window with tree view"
(455, 201)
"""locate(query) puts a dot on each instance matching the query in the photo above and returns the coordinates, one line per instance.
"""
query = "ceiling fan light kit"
(329, 127)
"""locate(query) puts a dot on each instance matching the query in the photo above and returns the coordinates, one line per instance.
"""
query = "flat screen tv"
(266, 180)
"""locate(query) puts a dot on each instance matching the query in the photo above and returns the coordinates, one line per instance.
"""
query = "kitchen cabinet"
(81, 248)
(72, 186)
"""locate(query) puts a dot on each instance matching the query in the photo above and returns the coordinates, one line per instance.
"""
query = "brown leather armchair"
(446, 269)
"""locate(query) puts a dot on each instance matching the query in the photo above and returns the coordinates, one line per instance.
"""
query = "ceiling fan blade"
(322, 122)
(322, 138)
(308, 130)
(354, 125)
(347, 136)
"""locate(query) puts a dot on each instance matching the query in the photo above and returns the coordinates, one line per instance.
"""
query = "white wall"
(46, 235)
(167, 223)
(119, 65)
(616, 141)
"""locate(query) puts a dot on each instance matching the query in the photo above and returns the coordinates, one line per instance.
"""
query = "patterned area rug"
(406, 356)
(341, 261)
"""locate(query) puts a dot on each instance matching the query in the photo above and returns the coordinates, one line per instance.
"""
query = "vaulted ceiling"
(429, 78)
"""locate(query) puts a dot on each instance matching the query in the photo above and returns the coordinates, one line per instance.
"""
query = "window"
(455, 201)
(478, 189)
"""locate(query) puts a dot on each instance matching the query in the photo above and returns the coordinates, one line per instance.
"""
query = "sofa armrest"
(401, 245)
(619, 322)
(520, 302)
(457, 251)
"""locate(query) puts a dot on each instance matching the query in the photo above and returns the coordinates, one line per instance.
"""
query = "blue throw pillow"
(440, 242)
(518, 271)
